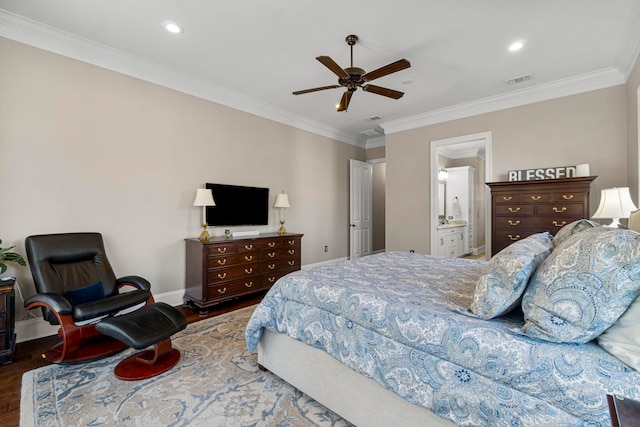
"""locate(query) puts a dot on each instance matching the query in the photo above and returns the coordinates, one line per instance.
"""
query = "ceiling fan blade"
(344, 102)
(331, 64)
(315, 89)
(379, 90)
(400, 64)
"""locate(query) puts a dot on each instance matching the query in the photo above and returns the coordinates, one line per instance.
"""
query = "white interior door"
(360, 196)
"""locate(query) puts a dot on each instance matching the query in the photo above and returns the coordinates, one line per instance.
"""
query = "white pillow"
(622, 340)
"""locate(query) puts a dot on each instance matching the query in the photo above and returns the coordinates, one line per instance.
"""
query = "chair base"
(132, 369)
(92, 349)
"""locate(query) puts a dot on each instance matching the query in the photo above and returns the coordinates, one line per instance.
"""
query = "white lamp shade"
(615, 203)
(282, 201)
(204, 197)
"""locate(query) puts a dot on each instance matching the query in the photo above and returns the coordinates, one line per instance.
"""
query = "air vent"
(373, 119)
(371, 132)
(518, 80)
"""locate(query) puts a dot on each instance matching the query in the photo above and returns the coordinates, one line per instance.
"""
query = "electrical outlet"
(326, 248)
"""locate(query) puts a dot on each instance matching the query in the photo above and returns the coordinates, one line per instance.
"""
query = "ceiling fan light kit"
(353, 78)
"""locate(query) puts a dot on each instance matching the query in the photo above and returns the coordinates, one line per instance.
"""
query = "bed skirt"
(354, 397)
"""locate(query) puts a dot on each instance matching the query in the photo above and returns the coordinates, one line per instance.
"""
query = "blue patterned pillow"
(573, 228)
(506, 275)
(584, 286)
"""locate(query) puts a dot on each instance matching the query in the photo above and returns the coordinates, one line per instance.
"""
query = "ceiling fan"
(354, 77)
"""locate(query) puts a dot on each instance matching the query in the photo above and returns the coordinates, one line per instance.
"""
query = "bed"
(390, 339)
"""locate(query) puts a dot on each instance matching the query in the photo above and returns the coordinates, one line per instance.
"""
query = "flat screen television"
(238, 205)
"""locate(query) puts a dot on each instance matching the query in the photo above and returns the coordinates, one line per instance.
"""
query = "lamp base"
(204, 236)
(282, 231)
(615, 223)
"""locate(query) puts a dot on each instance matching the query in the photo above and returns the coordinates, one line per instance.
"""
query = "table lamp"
(615, 203)
(282, 201)
(204, 198)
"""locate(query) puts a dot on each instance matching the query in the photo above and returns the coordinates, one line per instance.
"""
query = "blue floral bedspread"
(394, 317)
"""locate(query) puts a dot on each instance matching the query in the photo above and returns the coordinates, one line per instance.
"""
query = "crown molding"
(630, 49)
(556, 89)
(36, 34)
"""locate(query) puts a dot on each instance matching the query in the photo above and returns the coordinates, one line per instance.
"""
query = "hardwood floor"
(28, 357)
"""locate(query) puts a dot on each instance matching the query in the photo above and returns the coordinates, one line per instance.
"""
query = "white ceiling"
(251, 54)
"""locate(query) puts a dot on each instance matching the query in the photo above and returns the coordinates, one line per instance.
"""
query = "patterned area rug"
(216, 383)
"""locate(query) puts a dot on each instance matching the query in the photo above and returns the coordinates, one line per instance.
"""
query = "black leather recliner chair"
(76, 287)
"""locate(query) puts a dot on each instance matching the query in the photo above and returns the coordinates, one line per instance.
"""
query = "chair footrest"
(144, 327)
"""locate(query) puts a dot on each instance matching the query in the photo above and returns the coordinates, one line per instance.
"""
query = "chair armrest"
(55, 302)
(135, 281)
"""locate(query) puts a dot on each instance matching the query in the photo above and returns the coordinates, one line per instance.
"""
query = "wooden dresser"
(522, 208)
(226, 268)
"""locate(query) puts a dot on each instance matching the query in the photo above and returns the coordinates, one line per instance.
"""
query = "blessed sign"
(543, 173)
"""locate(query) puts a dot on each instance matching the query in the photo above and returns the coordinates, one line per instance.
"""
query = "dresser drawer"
(3, 321)
(514, 209)
(569, 196)
(280, 264)
(233, 288)
(230, 260)
(508, 198)
(561, 210)
(269, 279)
(230, 273)
(536, 197)
(223, 249)
(291, 241)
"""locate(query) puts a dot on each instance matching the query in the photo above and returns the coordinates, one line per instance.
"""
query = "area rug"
(216, 383)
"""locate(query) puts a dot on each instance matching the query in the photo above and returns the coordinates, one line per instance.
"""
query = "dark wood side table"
(7, 321)
(624, 412)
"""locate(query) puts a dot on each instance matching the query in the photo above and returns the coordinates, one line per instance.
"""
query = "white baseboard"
(34, 328)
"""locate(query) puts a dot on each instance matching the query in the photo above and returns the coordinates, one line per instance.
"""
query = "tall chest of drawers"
(522, 208)
(226, 268)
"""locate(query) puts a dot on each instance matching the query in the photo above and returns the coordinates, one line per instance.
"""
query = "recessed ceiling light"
(517, 45)
(172, 27)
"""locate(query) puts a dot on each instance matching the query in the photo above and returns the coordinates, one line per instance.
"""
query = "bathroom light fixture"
(443, 174)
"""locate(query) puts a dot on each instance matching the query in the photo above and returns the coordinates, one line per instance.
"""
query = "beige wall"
(633, 135)
(585, 128)
(86, 149)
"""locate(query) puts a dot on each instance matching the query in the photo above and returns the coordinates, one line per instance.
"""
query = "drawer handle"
(514, 209)
(569, 197)
(248, 257)
(248, 285)
(271, 266)
(292, 263)
(271, 254)
(516, 222)
(292, 242)
(272, 279)
(222, 275)
(248, 270)
(559, 210)
(248, 247)
(506, 198)
(272, 244)
(222, 250)
(536, 197)
(562, 224)
(292, 251)
(222, 291)
(517, 236)
(222, 261)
